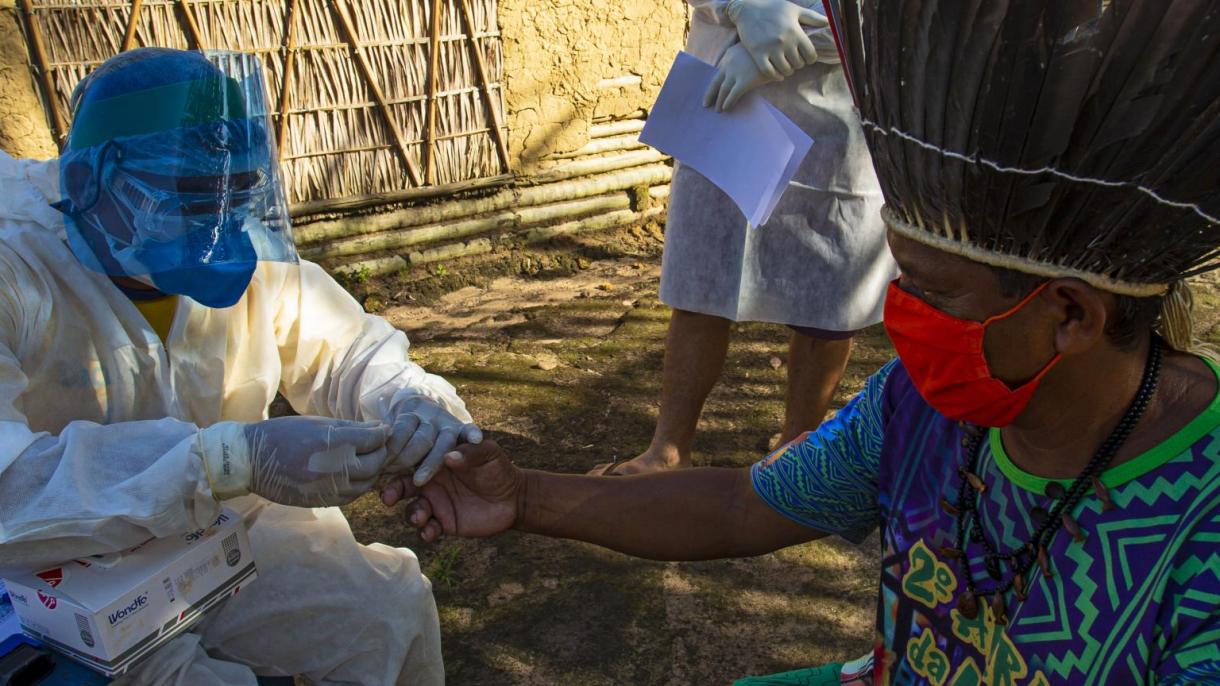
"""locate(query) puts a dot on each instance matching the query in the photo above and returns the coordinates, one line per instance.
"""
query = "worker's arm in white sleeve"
(91, 489)
(96, 489)
(339, 361)
(711, 11)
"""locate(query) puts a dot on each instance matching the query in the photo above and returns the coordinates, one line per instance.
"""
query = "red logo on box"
(53, 577)
(48, 600)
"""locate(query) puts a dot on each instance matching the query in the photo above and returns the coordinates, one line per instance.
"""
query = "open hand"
(479, 492)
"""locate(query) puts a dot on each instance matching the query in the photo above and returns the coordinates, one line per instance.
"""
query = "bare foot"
(651, 461)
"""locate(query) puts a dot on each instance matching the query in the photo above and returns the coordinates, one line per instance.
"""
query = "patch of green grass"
(441, 568)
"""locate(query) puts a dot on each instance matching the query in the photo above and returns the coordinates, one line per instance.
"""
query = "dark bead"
(1103, 494)
(968, 605)
(1073, 528)
(951, 553)
(1039, 517)
(949, 508)
(992, 565)
(999, 609)
(966, 441)
(1055, 490)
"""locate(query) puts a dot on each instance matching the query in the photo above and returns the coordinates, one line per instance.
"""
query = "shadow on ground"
(565, 372)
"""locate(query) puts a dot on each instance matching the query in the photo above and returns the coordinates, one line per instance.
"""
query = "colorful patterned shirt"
(1137, 602)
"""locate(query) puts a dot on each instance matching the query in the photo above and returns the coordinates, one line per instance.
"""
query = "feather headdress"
(1054, 137)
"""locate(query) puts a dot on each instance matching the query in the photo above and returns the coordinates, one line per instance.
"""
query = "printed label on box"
(111, 611)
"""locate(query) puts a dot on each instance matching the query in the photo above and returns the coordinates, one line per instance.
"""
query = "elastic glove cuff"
(732, 9)
(226, 459)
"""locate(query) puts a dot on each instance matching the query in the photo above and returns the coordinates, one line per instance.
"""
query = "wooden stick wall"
(371, 98)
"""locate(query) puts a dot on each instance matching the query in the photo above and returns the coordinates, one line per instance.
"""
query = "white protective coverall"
(97, 449)
(821, 261)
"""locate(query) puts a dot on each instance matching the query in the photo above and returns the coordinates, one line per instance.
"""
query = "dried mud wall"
(569, 62)
(23, 126)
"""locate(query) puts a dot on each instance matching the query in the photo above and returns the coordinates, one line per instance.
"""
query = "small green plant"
(362, 274)
(440, 569)
(440, 270)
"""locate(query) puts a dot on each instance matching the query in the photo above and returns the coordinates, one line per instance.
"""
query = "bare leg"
(695, 349)
(815, 368)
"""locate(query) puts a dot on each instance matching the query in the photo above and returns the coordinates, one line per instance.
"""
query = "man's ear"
(1081, 311)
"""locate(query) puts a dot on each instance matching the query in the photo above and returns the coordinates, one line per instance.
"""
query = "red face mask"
(944, 356)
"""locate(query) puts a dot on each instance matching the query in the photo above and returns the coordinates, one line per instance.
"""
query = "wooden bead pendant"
(975, 482)
(998, 609)
(1044, 562)
(1103, 494)
(951, 553)
(1073, 528)
(1018, 587)
(968, 605)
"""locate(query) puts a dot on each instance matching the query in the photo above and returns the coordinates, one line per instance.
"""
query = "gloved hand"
(298, 461)
(420, 429)
(735, 76)
(773, 32)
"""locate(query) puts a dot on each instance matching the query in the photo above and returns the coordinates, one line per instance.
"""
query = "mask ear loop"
(1017, 308)
(1010, 312)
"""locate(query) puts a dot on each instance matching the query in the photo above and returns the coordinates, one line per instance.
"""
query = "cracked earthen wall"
(23, 126)
(566, 62)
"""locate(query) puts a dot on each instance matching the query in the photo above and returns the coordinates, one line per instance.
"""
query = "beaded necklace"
(1020, 560)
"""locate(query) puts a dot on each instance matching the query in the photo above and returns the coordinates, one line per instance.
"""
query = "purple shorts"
(823, 334)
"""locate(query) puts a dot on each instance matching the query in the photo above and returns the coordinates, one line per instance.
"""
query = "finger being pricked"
(397, 490)
(469, 456)
(419, 513)
(432, 531)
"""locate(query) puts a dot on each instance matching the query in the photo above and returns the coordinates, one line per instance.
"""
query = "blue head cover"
(169, 174)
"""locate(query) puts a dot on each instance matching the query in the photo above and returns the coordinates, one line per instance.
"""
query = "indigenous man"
(1043, 459)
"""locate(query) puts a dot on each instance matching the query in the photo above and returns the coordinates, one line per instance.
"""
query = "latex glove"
(735, 76)
(298, 461)
(774, 34)
(480, 492)
(421, 432)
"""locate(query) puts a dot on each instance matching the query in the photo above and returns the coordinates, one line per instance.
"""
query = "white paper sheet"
(750, 152)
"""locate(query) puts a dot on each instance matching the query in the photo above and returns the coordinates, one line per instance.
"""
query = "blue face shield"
(170, 174)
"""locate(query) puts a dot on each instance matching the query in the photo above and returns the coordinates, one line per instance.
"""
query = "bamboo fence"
(376, 100)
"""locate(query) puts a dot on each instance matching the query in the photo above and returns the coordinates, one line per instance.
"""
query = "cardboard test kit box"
(111, 611)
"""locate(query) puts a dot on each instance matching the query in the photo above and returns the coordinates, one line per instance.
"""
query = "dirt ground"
(562, 365)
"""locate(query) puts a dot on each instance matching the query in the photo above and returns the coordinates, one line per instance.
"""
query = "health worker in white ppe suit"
(147, 321)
